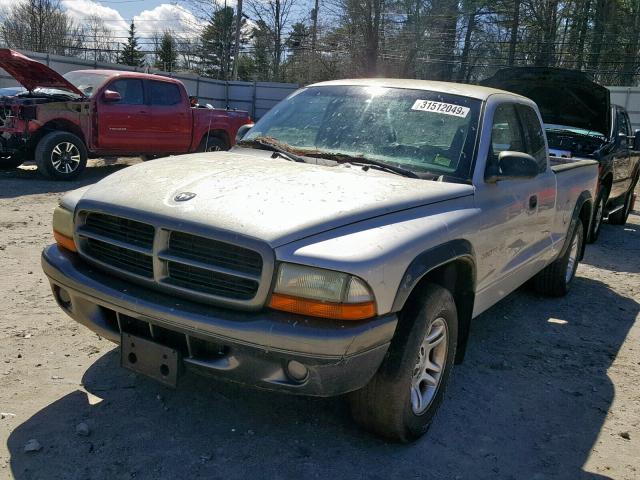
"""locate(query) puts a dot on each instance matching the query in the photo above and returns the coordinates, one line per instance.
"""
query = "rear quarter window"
(164, 93)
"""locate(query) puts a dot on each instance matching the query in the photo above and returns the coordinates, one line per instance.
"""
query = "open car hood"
(32, 74)
(565, 97)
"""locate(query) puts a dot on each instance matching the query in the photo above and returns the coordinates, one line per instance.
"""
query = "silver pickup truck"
(344, 246)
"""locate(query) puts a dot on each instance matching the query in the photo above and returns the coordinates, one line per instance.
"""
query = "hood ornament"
(184, 196)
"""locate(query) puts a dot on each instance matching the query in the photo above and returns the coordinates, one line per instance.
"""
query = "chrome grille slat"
(122, 258)
(163, 256)
(214, 252)
(207, 281)
(122, 229)
(207, 266)
(83, 232)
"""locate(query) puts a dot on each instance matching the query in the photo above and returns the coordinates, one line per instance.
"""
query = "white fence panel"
(629, 98)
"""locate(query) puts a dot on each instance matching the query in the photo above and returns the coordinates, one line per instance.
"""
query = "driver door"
(123, 125)
(509, 244)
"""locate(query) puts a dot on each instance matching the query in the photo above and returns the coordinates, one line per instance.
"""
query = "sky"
(149, 15)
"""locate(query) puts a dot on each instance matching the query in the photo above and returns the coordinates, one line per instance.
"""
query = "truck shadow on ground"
(529, 402)
(614, 240)
(30, 182)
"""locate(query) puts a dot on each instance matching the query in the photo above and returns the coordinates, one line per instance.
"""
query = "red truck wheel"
(213, 144)
(61, 156)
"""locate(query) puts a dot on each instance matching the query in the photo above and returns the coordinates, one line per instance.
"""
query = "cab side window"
(534, 136)
(130, 89)
(506, 134)
(623, 129)
(165, 93)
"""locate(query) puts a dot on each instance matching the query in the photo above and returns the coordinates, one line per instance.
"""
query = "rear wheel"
(555, 280)
(402, 398)
(10, 162)
(61, 156)
(621, 216)
(598, 216)
(213, 144)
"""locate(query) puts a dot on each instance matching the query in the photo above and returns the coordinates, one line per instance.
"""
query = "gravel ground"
(549, 388)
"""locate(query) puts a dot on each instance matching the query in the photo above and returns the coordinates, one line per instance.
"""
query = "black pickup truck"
(581, 122)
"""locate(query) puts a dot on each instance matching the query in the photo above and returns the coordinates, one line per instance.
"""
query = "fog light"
(297, 371)
(64, 298)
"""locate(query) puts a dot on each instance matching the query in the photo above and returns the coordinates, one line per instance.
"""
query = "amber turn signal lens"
(64, 241)
(315, 308)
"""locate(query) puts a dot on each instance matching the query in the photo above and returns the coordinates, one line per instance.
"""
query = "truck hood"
(273, 200)
(32, 74)
(565, 97)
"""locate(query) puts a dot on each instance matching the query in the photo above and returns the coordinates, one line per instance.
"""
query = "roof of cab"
(117, 73)
(472, 91)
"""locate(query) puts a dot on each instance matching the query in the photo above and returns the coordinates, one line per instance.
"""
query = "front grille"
(194, 266)
(210, 282)
(213, 252)
(121, 258)
(121, 229)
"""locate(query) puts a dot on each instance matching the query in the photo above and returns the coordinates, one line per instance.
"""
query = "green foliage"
(217, 44)
(131, 54)
(167, 54)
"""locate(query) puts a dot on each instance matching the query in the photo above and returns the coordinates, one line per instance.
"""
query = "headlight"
(321, 293)
(63, 228)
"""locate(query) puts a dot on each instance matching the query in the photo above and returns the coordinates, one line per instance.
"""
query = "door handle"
(533, 202)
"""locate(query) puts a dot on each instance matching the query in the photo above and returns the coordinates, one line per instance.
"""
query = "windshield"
(419, 130)
(578, 131)
(86, 82)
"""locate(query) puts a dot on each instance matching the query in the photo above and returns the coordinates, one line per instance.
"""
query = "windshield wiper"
(278, 149)
(368, 162)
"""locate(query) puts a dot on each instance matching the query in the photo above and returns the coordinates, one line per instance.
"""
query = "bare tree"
(274, 14)
(41, 26)
(98, 41)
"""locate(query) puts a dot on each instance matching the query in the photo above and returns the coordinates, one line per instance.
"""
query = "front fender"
(428, 261)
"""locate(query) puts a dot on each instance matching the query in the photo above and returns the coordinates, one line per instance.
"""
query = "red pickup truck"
(60, 121)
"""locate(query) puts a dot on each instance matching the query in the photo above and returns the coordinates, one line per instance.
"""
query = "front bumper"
(253, 348)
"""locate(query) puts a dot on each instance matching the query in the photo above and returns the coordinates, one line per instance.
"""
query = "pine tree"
(166, 54)
(130, 54)
(217, 44)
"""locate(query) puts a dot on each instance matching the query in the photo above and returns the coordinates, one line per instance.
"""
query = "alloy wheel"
(429, 368)
(65, 157)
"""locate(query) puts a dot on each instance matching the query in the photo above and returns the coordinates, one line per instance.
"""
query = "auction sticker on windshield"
(440, 107)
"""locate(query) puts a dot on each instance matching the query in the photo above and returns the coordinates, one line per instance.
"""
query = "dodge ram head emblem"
(184, 196)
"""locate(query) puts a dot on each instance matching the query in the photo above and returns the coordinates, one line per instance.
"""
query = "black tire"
(384, 406)
(621, 216)
(213, 144)
(598, 216)
(57, 159)
(10, 162)
(555, 280)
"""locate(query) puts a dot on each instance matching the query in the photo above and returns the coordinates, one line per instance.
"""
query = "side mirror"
(636, 140)
(514, 165)
(242, 131)
(111, 96)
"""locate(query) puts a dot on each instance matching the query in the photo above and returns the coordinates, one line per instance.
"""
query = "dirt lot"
(549, 388)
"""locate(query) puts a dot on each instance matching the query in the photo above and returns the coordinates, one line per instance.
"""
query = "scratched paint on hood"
(269, 199)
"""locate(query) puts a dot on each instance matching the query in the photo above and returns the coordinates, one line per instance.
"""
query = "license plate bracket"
(149, 358)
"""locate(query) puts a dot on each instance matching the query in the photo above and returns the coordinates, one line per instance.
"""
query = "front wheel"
(555, 280)
(61, 156)
(402, 398)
